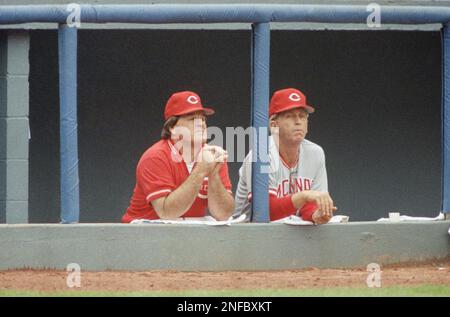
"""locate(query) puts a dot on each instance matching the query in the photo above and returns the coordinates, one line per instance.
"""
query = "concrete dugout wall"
(237, 247)
(377, 94)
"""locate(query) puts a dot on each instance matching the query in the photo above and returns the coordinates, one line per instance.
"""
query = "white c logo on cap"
(192, 99)
(295, 97)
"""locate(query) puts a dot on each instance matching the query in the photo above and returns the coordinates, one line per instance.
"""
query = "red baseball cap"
(287, 99)
(184, 102)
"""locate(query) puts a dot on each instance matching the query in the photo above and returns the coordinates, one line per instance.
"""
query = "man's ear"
(273, 127)
(273, 124)
(175, 133)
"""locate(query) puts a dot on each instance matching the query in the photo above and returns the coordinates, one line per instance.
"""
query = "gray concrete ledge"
(203, 248)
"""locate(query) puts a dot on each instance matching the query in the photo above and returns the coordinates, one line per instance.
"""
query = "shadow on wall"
(377, 96)
(2, 175)
(3, 136)
(125, 79)
(378, 114)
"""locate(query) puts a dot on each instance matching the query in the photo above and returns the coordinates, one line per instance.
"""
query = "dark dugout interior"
(377, 96)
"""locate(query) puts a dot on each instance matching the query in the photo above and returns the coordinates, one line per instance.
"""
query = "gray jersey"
(309, 173)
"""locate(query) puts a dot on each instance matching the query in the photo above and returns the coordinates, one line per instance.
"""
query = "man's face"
(191, 128)
(292, 125)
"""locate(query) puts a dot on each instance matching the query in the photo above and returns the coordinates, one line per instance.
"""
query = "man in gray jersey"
(298, 178)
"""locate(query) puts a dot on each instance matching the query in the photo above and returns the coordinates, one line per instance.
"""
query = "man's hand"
(210, 158)
(319, 217)
(323, 201)
(220, 156)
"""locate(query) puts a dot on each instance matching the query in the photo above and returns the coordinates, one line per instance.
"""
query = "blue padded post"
(446, 119)
(70, 191)
(260, 119)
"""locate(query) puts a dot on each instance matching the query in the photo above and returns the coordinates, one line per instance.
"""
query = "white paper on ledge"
(208, 220)
(408, 218)
(298, 221)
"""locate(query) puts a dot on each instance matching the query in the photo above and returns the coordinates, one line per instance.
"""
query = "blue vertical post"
(260, 119)
(446, 119)
(70, 191)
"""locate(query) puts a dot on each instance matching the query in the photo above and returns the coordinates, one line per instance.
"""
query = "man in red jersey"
(181, 175)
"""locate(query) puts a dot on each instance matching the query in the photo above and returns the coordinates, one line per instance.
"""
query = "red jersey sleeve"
(283, 207)
(155, 178)
(307, 211)
(225, 177)
(280, 207)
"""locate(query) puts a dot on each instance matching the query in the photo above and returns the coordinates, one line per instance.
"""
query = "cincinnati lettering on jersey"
(204, 187)
(287, 187)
